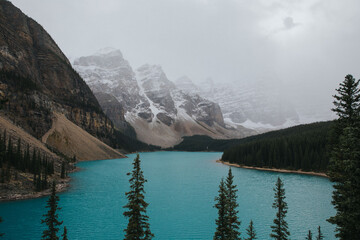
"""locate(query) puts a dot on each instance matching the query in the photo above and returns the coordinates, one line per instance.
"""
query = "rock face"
(115, 111)
(36, 80)
(255, 106)
(159, 112)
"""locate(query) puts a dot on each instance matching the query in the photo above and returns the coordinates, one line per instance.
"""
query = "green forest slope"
(301, 147)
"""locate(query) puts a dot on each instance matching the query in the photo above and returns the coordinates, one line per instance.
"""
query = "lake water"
(181, 189)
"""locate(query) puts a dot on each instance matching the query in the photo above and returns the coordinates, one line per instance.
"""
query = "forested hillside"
(200, 143)
(302, 147)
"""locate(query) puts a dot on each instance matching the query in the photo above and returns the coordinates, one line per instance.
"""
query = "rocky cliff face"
(37, 79)
(39, 93)
(115, 111)
(159, 112)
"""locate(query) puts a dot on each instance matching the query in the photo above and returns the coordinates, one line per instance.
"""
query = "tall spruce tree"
(348, 101)
(309, 236)
(51, 217)
(251, 231)
(320, 236)
(221, 205)
(232, 218)
(64, 235)
(138, 227)
(63, 170)
(1, 234)
(280, 228)
(344, 167)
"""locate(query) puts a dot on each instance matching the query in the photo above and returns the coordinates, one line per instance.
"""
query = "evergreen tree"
(63, 170)
(10, 152)
(64, 235)
(138, 227)
(18, 156)
(320, 236)
(280, 228)
(1, 234)
(221, 205)
(309, 236)
(344, 167)
(51, 217)
(348, 101)
(345, 172)
(251, 231)
(232, 218)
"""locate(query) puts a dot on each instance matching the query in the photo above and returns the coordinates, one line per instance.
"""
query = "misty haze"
(282, 59)
(208, 119)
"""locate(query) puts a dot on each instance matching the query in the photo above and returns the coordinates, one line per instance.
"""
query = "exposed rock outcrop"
(38, 79)
(160, 113)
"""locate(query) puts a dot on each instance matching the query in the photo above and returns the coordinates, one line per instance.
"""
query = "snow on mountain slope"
(107, 71)
(160, 113)
(255, 106)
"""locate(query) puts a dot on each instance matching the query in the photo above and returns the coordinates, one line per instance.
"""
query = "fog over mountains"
(146, 104)
(300, 49)
(255, 106)
(158, 111)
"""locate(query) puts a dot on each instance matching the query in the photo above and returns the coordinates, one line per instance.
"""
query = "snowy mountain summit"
(253, 105)
(160, 113)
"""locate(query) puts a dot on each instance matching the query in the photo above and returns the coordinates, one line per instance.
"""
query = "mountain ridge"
(159, 112)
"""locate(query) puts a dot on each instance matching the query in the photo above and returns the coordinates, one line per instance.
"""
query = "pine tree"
(348, 101)
(320, 236)
(221, 205)
(18, 156)
(51, 218)
(232, 218)
(63, 170)
(344, 167)
(1, 234)
(64, 235)
(10, 151)
(138, 227)
(309, 236)
(251, 231)
(280, 228)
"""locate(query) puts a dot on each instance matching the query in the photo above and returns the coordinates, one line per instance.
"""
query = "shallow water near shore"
(181, 189)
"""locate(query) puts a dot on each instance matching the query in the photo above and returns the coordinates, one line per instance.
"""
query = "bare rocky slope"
(160, 113)
(41, 94)
(71, 140)
(36, 80)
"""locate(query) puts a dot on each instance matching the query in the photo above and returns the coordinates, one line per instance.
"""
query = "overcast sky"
(307, 46)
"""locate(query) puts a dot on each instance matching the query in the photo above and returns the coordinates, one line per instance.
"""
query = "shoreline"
(273, 169)
(62, 186)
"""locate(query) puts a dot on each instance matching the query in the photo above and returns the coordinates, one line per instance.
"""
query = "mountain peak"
(107, 58)
(108, 51)
(149, 72)
(153, 68)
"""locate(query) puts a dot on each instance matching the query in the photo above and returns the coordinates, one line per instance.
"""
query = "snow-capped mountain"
(160, 113)
(255, 106)
(186, 84)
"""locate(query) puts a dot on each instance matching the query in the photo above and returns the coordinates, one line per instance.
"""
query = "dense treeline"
(118, 140)
(302, 147)
(14, 159)
(198, 143)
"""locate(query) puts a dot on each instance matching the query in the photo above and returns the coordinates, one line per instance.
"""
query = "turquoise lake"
(181, 189)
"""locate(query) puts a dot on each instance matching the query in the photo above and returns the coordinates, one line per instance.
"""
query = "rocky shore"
(274, 169)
